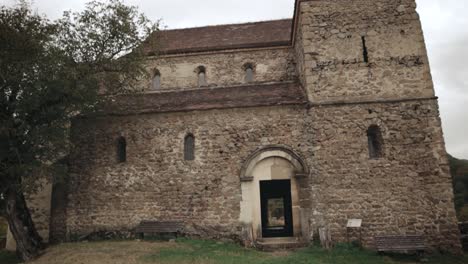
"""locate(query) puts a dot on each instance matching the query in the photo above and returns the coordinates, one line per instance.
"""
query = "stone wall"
(156, 183)
(410, 187)
(300, 57)
(408, 191)
(224, 68)
(332, 33)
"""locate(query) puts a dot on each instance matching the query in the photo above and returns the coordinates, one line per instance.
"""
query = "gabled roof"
(221, 37)
(214, 38)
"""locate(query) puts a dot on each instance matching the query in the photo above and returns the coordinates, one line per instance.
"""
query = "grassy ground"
(197, 251)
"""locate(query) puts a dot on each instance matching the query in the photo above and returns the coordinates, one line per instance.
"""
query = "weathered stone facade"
(223, 68)
(157, 183)
(346, 66)
(392, 194)
(332, 35)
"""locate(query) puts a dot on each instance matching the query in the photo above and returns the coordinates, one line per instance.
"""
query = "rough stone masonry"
(337, 102)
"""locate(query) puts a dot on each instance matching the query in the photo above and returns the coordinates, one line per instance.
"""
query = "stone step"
(282, 243)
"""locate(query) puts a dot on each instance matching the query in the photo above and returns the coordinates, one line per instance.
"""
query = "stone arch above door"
(280, 151)
(269, 163)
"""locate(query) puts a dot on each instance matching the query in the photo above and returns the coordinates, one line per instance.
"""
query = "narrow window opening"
(189, 147)
(249, 72)
(375, 141)
(156, 85)
(201, 76)
(121, 150)
(249, 75)
(365, 53)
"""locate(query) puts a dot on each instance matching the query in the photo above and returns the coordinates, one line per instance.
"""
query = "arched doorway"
(270, 205)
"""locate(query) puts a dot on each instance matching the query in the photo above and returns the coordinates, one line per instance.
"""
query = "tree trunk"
(28, 242)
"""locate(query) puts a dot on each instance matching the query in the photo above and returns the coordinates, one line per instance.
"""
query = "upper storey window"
(249, 72)
(189, 147)
(375, 141)
(156, 83)
(201, 71)
(121, 150)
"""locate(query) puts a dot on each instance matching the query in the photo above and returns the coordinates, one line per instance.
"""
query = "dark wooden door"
(275, 198)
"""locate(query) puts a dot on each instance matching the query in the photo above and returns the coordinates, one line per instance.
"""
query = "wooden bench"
(159, 228)
(400, 244)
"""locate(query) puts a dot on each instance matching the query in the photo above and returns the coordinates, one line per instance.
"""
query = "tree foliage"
(50, 72)
(105, 40)
(2, 205)
(459, 172)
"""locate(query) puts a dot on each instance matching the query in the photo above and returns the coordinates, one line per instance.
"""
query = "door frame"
(272, 189)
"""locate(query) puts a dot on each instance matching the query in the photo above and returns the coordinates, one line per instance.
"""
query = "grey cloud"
(182, 13)
(445, 27)
(450, 64)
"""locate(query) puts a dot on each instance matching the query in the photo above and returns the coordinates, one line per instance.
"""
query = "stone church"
(270, 129)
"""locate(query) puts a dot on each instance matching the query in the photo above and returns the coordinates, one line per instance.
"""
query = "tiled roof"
(213, 38)
(208, 98)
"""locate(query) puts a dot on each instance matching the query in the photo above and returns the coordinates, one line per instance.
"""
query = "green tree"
(2, 205)
(463, 214)
(458, 170)
(51, 72)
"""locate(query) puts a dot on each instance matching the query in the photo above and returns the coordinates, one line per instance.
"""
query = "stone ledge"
(286, 93)
(357, 102)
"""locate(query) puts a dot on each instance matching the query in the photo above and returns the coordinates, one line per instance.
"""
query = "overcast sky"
(445, 24)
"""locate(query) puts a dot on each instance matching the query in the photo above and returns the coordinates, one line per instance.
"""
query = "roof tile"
(213, 38)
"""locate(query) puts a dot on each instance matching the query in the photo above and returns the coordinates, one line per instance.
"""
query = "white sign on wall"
(354, 223)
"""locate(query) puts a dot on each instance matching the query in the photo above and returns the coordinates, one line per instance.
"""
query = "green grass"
(203, 251)
(200, 251)
(186, 251)
(8, 257)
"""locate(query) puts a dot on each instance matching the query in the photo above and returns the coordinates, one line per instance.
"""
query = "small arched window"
(156, 83)
(121, 150)
(375, 141)
(249, 73)
(201, 71)
(189, 147)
